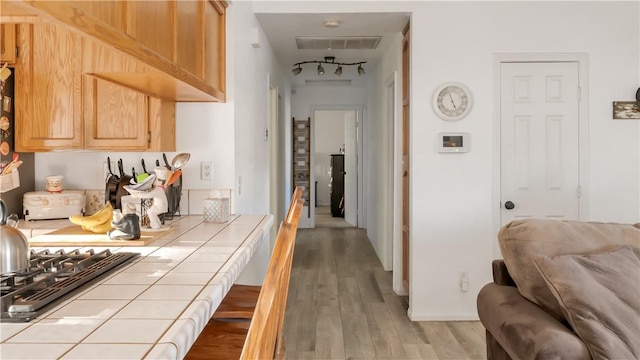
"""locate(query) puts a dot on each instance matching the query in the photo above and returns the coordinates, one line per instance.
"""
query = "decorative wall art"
(626, 110)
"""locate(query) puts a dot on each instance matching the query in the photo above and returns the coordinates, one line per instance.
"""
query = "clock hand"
(452, 103)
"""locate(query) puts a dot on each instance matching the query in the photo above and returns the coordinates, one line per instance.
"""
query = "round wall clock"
(452, 101)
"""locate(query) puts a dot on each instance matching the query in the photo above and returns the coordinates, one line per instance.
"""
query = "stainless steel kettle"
(14, 246)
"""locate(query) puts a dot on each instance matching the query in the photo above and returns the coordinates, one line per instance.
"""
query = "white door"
(351, 168)
(539, 117)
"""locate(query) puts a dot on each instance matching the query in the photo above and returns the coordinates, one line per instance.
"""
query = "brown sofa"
(549, 299)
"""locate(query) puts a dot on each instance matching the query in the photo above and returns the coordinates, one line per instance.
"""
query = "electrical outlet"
(464, 281)
(206, 171)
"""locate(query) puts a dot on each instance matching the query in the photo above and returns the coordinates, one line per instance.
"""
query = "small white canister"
(216, 210)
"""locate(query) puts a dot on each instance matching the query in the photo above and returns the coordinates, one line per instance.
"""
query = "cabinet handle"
(148, 137)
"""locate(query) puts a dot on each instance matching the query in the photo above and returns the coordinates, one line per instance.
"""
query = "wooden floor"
(341, 306)
(325, 220)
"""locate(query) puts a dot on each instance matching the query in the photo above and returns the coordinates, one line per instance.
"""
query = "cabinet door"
(189, 36)
(111, 12)
(151, 24)
(48, 89)
(215, 45)
(8, 43)
(115, 117)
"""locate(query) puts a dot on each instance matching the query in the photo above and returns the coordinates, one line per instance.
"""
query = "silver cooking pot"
(14, 246)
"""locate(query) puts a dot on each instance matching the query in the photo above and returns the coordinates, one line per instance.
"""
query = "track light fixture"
(328, 60)
(320, 70)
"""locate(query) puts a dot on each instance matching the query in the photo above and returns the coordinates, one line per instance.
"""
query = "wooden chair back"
(265, 330)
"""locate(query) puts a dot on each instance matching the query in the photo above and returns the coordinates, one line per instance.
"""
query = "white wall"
(329, 138)
(254, 68)
(452, 212)
(302, 103)
(380, 154)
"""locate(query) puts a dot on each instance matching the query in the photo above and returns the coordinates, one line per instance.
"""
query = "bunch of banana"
(99, 223)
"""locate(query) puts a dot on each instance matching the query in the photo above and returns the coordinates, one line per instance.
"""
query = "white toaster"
(40, 205)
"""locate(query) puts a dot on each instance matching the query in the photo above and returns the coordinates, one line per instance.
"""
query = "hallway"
(341, 306)
(325, 220)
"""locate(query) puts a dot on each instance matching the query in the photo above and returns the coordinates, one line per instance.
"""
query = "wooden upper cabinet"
(115, 117)
(64, 108)
(190, 36)
(111, 12)
(181, 42)
(151, 24)
(214, 50)
(8, 43)
(119, 118)
(47, 78)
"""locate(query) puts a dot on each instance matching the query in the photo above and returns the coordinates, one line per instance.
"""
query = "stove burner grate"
(52, 276)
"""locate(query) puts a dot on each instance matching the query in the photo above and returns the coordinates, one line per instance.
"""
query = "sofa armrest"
(523, 329)
(501, 275)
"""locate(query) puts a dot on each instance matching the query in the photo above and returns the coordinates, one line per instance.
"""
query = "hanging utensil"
(179, 161)
(166, 162)
(111, 185)
(124, 180)
(176, 174)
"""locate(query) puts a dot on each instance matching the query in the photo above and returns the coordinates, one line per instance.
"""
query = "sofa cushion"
(600, 297)
(524, 330)
(523, 240)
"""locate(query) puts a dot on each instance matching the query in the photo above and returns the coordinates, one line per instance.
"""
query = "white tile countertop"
(151, 308)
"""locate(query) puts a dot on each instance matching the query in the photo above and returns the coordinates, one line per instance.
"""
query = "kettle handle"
(3, 213)
(12, 220)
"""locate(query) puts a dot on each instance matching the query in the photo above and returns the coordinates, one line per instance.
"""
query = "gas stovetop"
(50, 276)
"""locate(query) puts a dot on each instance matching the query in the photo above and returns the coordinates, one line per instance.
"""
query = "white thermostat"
(453, 142)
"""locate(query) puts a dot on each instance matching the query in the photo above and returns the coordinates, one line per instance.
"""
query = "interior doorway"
(335, 167)
(540, 161)
(543, 164)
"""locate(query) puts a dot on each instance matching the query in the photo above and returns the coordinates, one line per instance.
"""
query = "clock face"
(452, 101)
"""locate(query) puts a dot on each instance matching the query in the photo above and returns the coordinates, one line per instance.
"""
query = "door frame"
(583, 122)
(273, 137)
(394, 232)
(359, 109)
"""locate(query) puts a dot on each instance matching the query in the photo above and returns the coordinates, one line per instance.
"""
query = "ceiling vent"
(328, 82)
(337, 42)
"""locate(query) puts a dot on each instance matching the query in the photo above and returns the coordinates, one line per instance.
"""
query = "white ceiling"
(282, 29)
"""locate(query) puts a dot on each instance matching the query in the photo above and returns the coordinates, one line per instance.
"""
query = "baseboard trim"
(400, 290)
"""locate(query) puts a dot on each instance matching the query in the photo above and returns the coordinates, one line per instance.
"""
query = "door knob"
(509, 205)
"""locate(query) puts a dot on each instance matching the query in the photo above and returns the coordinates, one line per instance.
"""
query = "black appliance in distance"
(337, 185)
